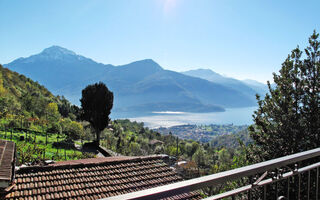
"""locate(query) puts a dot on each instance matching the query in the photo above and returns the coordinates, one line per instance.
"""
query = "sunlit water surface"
(236, 116)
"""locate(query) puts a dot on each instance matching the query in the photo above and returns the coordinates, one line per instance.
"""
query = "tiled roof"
(7, 150)
(94, 178)
(154, 141)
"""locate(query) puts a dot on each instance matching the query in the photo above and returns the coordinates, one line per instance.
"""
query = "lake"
(236, 116)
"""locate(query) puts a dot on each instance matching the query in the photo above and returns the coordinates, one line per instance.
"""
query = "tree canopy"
(288, 118)
(96, 105)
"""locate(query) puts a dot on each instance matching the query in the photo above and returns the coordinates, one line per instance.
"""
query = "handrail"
(262, 183)
(215, 179)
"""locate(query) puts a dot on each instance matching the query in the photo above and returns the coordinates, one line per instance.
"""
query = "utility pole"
(46, 130)
(177, 147)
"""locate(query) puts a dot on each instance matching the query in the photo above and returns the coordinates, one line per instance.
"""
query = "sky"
(245, 39)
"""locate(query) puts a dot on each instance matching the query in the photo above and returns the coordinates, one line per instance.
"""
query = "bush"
(13, 124)
(66, 144)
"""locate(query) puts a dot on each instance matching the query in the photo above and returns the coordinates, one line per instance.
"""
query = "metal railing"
(291, 177)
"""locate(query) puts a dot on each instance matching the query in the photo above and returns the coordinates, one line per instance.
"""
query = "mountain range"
(141, 86)
(249, 87)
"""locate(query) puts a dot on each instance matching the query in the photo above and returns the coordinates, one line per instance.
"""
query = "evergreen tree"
(96, 104)
(288, 118)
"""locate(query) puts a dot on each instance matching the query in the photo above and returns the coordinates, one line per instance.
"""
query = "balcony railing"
(291, 177)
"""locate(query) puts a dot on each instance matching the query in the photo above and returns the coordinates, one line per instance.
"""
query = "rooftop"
(94, 178)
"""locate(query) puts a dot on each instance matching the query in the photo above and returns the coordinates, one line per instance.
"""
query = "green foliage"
(96, 105)
(288, 119)
(66, 109)
(75, 130)
(33, 147)
(20, 95)
(28, 153)
(52, 112)
(232, 140)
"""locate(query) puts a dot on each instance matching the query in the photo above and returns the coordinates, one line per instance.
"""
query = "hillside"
(40, 123)
(141, 86)
(21, 95)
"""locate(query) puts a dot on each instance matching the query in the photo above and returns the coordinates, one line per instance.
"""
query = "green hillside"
(20, 95)
(40, 123)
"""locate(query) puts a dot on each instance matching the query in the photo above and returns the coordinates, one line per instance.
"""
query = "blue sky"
(241, 39)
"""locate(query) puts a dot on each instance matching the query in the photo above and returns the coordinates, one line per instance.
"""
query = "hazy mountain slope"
(257, 86)
(138, 86)
(241, 86)
(210, 93)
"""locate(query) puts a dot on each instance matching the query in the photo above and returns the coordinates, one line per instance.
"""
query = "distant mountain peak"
(207, 74)
(202, 70)
(57, 50)
(53, 54)
(146, 64)
(253, 82)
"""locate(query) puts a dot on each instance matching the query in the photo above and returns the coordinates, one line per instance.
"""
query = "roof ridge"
(92, 162)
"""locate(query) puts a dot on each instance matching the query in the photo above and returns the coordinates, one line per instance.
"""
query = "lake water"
(236, 116)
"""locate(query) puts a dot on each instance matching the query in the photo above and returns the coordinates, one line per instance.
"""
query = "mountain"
(59, 70)
(257, 86)
(248, 87)
(141, 86)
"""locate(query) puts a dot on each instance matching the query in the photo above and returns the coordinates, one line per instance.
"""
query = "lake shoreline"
(236, 116)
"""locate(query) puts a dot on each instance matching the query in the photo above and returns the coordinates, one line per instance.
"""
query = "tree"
(288, 119)
(52, 112)
(96, 104)
(75, 130)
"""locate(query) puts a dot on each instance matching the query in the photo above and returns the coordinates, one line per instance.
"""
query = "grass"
(39, 140)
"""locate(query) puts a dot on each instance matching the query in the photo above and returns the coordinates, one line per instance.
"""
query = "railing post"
(288, 188)
(317, 184)
(299, 185)
(308, 195)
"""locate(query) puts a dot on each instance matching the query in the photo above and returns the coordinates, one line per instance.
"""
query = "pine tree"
(288, 118)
